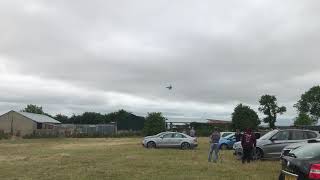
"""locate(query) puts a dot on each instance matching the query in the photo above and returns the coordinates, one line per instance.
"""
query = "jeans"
(215, 150)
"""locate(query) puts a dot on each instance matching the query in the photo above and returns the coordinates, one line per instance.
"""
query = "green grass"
(120, 159)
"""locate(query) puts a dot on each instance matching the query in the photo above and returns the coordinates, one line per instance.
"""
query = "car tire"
(259, 154)
(224, 147)
(185, 146)
(151, 145)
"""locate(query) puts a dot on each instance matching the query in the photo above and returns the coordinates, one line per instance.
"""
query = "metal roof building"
(22, 123)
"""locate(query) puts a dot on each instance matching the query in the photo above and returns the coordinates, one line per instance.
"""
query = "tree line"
(125, 120)
(308, 108)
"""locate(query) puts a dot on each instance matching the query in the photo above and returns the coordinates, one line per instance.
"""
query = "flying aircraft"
(169, 87)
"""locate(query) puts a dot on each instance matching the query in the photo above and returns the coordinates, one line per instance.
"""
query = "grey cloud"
(213, 53)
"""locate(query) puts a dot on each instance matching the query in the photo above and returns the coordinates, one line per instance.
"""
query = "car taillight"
(314, 171)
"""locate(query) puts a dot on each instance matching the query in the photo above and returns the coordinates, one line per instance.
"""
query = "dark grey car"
(271, 144)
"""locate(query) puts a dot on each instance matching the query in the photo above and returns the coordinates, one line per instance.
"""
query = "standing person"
(192, 132)
(184, 131)
(248, 143)
(214, 147)
(238, 135)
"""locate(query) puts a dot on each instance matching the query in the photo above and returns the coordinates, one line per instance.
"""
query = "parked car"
(294, 146)
(301, 163)
(170, 139)
(227, 141)
(224, 134)
(271, 144)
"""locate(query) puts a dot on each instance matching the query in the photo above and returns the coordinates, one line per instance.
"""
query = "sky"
(75, 56)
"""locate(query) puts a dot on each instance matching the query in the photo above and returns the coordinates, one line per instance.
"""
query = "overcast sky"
(75, 56)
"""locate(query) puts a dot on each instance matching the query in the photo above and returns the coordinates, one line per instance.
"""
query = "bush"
(4, 136)
(154, 124)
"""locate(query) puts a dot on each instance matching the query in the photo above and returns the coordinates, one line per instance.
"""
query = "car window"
(177, 135)
(282, 135)
(229, 136)
(226, 134)
(311, 135)
(297, 135)
(269, 135)
(168, 135)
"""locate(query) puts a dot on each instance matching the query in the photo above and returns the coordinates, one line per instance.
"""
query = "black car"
(302, 163)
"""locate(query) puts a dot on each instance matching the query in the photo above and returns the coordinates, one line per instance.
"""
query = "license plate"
(290, 177)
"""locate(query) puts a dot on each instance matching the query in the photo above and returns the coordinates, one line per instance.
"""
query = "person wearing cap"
(214, 145)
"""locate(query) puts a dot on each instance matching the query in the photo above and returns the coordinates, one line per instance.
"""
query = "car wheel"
(224, 147)
(185, 146)
(151, 145)
(259, 154)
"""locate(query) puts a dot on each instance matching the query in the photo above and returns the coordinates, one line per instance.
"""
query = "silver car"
(271, 144)
(294, 146)
(170, 139)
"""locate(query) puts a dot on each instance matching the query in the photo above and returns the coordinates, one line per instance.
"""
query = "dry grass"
(120, 159)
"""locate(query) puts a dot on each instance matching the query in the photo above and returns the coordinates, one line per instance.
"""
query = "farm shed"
(23, 123)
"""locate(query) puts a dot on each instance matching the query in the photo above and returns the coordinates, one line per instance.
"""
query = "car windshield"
(160, 134)
(229, 136)
(225, 134)
(269, 135)
(307, 152)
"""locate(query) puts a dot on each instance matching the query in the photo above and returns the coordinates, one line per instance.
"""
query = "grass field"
(120, 159)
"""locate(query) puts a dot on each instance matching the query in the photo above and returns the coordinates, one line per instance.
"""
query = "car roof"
(298, 130)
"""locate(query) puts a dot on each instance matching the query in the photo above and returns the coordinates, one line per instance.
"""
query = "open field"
(120, 159)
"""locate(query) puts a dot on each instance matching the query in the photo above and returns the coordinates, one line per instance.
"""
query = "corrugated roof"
(40, 118)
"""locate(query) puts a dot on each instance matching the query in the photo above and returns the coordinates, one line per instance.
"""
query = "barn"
(23, 123)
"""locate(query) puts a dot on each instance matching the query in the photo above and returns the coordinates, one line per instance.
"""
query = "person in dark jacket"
(238, 135)
(214, 145)
(248, 143)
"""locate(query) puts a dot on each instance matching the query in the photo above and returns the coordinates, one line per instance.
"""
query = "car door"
(166, 140)
(277, 143)
(178, 139)
(298, 136)
(231, 141)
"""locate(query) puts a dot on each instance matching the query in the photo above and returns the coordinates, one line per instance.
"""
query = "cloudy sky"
(75, 56)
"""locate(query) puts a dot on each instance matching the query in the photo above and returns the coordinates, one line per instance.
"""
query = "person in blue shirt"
(214, 145)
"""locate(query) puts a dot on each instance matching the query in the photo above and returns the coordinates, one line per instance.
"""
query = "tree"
(309, 104)
(33, 109)
(88, 118)
(127, 121)
(270, 108)
(62, 118)
(303, 120)
(154, 124)
(244, 117)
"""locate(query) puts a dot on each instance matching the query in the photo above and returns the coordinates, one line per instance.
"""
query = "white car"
(170, 139)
